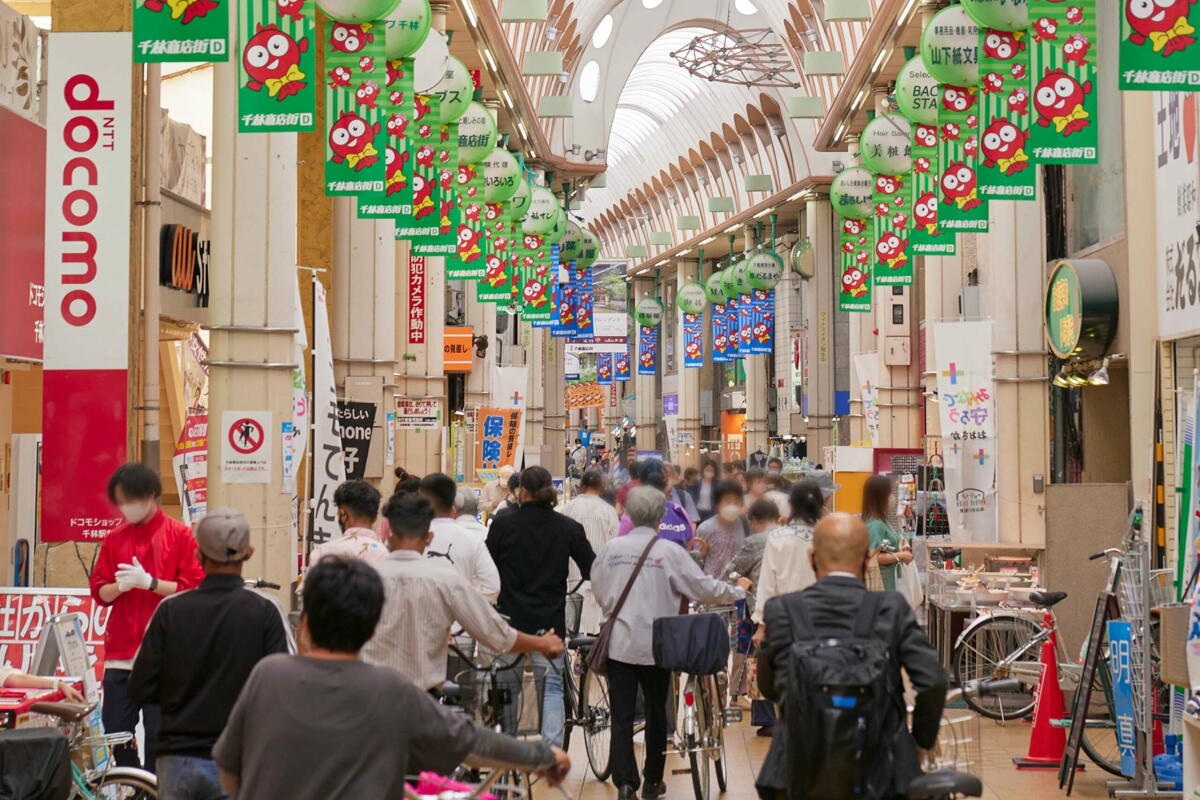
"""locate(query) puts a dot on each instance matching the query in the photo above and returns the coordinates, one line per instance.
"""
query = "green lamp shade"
(542, 62)
(805, 107)
(660, 237)
(686, 223)
(759, 183)
(598, 181)
(825, 62)
(559, 106)
(847, 10)
(636, 251)
(524, 11)
(716, 204)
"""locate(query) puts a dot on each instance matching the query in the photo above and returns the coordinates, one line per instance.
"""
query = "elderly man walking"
(657, 588)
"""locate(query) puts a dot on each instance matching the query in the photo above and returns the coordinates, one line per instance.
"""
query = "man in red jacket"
(148, 557)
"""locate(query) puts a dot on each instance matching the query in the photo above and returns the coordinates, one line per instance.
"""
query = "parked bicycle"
(585, 694)
(93, 773)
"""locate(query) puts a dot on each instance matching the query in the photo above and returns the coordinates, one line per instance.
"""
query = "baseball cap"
(223, 535)
(823, 479)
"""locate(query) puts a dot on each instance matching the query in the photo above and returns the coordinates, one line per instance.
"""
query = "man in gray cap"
(823, 479)
(199, 649)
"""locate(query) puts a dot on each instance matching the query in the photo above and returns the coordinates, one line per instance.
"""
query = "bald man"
(839, 557)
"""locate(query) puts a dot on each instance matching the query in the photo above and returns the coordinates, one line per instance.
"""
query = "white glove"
(133, 576)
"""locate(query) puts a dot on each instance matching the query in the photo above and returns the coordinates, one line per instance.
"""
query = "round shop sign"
(950, 47)
(729, 281)
(476, 135)
(543, 212)
(455, 90)
(571, 243)
(501, 176)
(691, 298)
(743, 281)
(557, 231)
(850, 193)
(764, 269)
(712, 288)
(886, 145)
(918, 93)
(518, 204)
(1082, 304)
(649, 312)
(406, 28)
(429, 62)
(355, 10)
(1004, 15)
(589, 250)
(802, 258)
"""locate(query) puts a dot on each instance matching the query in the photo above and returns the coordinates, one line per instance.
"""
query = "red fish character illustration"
(950, 132)
(1018, 101)
(187, 10)
(1075, 49)
(925, 213)
(366, 64)
(958, 98)
(425, 156)
(272, 60)
(1059, 99)
(854, 282)
(1003, 45)
(888, 184)
(1044, 29)
(535, 294)
(959, 187)
(395, 180)
(352, 140)
(350, 39)
(292, 9)
(339, 77)
(1163, 23)
(496, 271)
(853, 226)
(1074, 15)
(992, 82)
(367, 95)
(1003, 147)
(921, 164)
(397, 126)
(900, 222)
(890, 250)
(926, 135)
(422, 197)
(468, 244)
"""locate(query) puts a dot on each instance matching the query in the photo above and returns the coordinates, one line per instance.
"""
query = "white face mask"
(772, 472)
(135, 512)
(730, 512)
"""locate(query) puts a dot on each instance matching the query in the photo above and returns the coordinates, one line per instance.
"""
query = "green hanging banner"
(277, 74)
(395, 201)
(892, 263)
(449, 211)
(1062, 65)
(471, 239)
(495, 285)
(423, 139)
(854, 290)
(1158, 45)
(185, 30)
(1006, 172)
(927, 238)
(354, 144)
(962, 208)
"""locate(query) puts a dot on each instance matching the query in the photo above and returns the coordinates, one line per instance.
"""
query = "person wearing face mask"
(702, 490)
(357, 509)
(720, 537)
(147, 557)
(774, 466)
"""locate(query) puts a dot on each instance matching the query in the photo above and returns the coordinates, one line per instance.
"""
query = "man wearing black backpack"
(832, 660)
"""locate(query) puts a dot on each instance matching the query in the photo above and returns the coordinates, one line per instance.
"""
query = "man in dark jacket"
(839, 557)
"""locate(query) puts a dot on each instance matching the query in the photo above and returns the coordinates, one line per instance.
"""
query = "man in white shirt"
(600, 524)
(466, 513)
(357, 507)
(464, 550)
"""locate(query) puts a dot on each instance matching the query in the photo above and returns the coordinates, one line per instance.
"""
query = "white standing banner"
(866, 367)
(967, 407)
(295, 439)
(329, 467)
(509, 385)
(1176, 179)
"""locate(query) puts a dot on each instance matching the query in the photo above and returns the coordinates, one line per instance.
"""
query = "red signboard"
(25, 612)
(22, 236)
(416, 300)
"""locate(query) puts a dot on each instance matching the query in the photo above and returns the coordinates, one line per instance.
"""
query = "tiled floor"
(745, 753)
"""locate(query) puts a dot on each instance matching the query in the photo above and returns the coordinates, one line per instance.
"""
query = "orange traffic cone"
(1046, 742)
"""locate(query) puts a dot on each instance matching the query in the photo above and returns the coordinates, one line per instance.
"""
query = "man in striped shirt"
(423, 599)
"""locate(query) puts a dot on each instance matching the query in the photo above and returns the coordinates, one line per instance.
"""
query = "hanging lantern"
(571, 243)
(649, 312)
(712, 288)
(917, 93)
(405, 29)
(763, 270)
(691, 298)
(850, 193)
(886, 145)
(729, 281)
(950, 47)
(501, 176)
(455, 90)
(476, 134)
(543, 212)
(589, 250)
(356, 10)
(743, 281)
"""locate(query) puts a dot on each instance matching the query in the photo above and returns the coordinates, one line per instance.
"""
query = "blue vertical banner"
(720, 348)
(693, 341)
(621, 367)
(584, 300)
(563, 322)
(746, 324)
(647, 350)
(733, 331)
(1120, 637)
(604, 369)
(762, 334)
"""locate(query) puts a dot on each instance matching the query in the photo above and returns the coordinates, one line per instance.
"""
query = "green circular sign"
(691, 298)
(1004, 15)
(950, 47)
(558, 230)
(918, 93)
(1064, 310)
(429, 62)
(743, 281)
(589, 250)
(886, 145)
(518, 204)
(763, 270)
(802, 258)
(405, 28)
(729, 282)
(1082, 308)
(712, 288)
(501, 176)
(649, 312)
(543, 212)
(571, 243)
(476, 135)
(850, 192)
(356, 10)
(455, 90)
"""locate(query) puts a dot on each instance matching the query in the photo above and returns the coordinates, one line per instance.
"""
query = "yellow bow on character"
(397, 180)
(931, 229)
(471, 254)
(178, 7)
(961, 202)
(353, 158)
(897, 262)
(1005, 163)
(291, 76)
(1076, 114)
(1159, 39)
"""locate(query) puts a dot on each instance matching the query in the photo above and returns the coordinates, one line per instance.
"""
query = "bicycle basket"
(697, 644)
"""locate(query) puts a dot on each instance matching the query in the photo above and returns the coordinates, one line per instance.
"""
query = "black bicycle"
(585, 694)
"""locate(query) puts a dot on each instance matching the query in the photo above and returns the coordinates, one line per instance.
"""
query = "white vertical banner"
(1176, 179)
(672, 424)
(509, 385)
(866, 368)
(967, 407)
(329, 468)
(295, 439)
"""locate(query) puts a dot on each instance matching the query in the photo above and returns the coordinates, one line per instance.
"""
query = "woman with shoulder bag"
(885, 542)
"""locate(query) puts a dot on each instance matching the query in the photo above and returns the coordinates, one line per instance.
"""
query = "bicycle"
(93, 775)
(585, 694)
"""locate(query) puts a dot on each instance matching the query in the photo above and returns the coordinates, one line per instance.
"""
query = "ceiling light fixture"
(752, 57)
(1100, 376)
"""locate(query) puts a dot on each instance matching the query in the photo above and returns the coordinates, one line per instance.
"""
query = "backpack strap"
(802, 628)
(864, 623)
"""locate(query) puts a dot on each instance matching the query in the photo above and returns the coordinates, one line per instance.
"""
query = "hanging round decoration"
(691, 298)
(501, 176)
(763, 270)
(518, 204)
(918, 92)
(543, 212)
(589, 250)
(886, 145)
(557, 232)
(570, 245)
(850, 193)
(649, 312)
(455, 90)
(950, 47)
(729, 281)
(406, 28)
(476, 134)
(743, 280)
(802, 259)
(429, 62)
(712, 288)
(356, 10)
(1003, 15)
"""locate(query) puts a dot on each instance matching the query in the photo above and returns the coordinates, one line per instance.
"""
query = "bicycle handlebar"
(477, 667)
(261, 583)
(1105, 553)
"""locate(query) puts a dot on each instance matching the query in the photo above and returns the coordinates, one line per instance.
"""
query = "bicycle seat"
(946, 783)
(1047, 599)
(68, 712)
(582, 642)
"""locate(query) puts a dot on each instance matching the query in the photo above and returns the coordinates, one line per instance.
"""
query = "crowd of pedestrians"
(229, 708)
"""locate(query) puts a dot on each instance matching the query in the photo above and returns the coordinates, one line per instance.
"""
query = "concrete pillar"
(689, 379)
(419, 357)
(817, 410)
(550, 383)
(757, 405)
(649, 407)
(250, 309)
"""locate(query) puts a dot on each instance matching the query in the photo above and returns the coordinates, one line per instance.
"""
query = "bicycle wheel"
(977, 657)
(1099, 738)
(716, 716)
(697, 745)
(596, 712)
(115, 786)
(572, 702)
